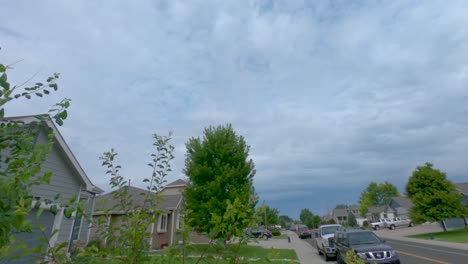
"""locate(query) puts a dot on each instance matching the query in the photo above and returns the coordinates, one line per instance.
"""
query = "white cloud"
(326, 93)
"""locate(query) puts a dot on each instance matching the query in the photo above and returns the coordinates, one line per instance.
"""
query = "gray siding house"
(68, 179)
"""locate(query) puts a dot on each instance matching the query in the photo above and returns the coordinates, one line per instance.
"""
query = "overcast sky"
(330, 95)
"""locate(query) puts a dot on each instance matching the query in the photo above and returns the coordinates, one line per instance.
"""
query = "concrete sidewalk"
(402, 233)
(305, 252)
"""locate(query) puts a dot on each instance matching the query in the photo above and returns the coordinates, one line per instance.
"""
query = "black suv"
(365, 244)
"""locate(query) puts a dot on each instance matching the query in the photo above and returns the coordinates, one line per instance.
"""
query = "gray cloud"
(330, 94)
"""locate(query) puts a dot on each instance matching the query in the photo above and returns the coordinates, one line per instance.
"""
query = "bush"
(365, 223)
(276, 233)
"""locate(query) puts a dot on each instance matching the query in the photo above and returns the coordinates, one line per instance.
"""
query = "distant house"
(462, 188)
(401, 205)
(377, 212)
(68, 179)
(340, 215)
(168, 212)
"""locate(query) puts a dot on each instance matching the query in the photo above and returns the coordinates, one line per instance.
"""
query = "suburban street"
(418, 253)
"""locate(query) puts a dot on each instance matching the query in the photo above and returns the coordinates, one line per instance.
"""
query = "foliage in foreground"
(21, 159)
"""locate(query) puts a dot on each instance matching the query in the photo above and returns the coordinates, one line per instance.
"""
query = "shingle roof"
(178, 182)
(403, 202)
(376, 209)
(137, 198)
(340, 212)
(462, 187)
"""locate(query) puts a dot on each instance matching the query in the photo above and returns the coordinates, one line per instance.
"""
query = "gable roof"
(340, 212)
(377, 209)
(64, 147)
(404, 202)
(462, 187)
(137, 197)
(176, 183)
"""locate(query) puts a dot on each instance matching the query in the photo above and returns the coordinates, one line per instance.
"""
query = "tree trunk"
(443, 225)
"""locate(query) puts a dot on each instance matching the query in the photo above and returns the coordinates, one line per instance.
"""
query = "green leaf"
(54, 86)
(2, 68)
(53, 209)
(59, 121)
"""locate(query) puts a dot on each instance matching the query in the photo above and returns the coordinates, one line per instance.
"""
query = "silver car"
(324, 239)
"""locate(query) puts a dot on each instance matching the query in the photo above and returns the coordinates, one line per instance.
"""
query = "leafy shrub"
(276, 233)
(365, 223)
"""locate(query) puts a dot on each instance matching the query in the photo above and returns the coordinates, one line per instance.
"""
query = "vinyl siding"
(64, 181)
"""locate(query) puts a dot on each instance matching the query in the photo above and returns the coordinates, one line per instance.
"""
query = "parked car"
(366, 245)
(324, 240)
(399, 222)
(303, 232)
(293, 228)
(381, 223)
(258, 232)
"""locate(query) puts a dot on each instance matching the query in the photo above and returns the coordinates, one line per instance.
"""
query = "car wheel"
(411, 224)
(318, 251)
(392, 227)
(377, 227)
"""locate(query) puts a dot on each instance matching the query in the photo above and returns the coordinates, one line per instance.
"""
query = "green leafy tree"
(376, 194)
(309, 219)
(285, 221)
(21, 158)
(219, 172)
(352, 220)
(433, 195)
(271, 215)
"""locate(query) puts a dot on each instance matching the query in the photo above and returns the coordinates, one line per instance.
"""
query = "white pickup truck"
(399, 222)
(382, 223)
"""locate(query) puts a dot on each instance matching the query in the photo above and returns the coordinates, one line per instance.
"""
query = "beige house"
(378, 212)
(165, 231)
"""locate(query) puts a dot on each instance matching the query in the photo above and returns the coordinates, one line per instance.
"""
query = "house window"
(180, 222)
(162, 223)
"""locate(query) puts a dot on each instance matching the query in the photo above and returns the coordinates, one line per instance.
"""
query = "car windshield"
(363, 238)
(329, 229)
(303, 228)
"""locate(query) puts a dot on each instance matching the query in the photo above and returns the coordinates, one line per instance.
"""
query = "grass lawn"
(458, 236)
(250, 254)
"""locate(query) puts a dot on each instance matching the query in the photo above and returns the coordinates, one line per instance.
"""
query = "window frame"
(160, 228)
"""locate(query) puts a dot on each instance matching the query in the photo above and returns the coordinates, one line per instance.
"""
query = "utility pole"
(265, 213)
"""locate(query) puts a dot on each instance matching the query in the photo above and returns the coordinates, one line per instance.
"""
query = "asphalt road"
(416, 253)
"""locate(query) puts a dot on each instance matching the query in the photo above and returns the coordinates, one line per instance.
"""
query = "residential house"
(377, 212)
(401, 205)
(459, 223)
(165, 231)
(68, 179)
(340, 215)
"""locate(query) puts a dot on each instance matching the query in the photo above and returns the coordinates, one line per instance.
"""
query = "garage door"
(32, 238)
